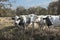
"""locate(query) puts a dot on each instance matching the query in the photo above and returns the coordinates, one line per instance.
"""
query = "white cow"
(26, 19)
(40, 20)
(55, 20)
(32, 17)
(16, 20)
(22, 20)
(52, 20)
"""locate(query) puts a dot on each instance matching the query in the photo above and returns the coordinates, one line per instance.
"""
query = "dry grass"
(10, 32)
(14, 33)
(5, 22)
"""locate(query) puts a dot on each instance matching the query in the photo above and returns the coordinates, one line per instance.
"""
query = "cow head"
(48, 22)
(17, 19)
(14, 18)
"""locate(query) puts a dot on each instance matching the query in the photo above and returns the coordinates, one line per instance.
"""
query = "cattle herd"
(49, 20)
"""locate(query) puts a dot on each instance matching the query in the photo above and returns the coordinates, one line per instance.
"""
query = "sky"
(31, 3)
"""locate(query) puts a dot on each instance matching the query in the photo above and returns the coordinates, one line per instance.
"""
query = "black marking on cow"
(59, 17)
(48, 22)
(21, 22)
(28, 20)
(18, 19)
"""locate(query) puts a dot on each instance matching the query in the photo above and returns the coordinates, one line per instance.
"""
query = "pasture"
(5, 22)
(8, 31)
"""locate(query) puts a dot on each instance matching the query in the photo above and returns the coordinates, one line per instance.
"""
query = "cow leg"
(24, 31)
(25, 26)
(39, 26)
(51, 26)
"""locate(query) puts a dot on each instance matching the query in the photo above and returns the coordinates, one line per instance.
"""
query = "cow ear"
(13, 18)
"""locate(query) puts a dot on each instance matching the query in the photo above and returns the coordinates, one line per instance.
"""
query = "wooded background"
(52, 9)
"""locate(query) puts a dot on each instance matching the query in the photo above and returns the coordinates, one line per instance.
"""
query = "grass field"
(5, 22)
(10, 32)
